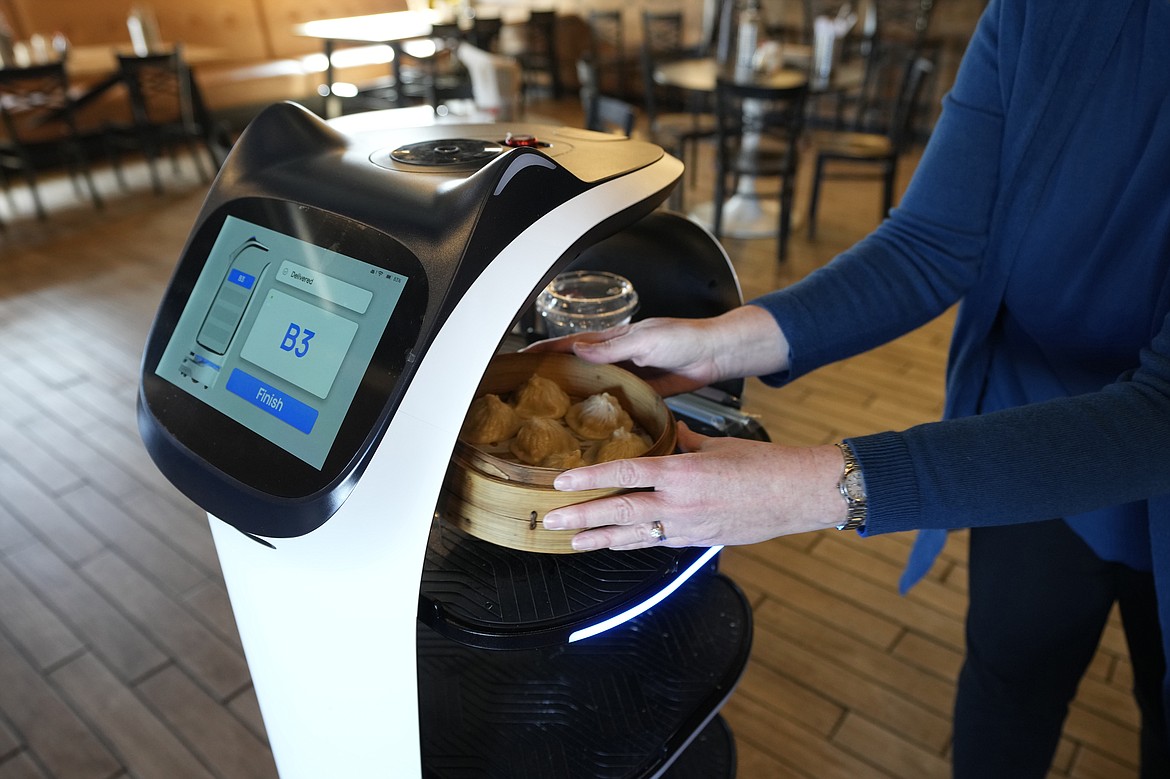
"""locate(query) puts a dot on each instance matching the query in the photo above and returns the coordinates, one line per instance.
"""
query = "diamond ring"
(657, 532)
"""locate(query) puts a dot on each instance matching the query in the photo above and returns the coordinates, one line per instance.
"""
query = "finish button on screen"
(279, 404)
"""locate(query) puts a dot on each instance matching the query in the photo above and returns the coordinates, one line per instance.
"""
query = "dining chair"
(758, 132)
(904, 31)
(539, 54)
(904, 20)
(166, 113)
(871, 154)
(609, 114)
(607, 48)
(38, 118)
(427, 70)
(676, 120)
(485, 32)
(603, 113)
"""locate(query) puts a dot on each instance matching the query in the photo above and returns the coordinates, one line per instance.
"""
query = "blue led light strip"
(649, 603)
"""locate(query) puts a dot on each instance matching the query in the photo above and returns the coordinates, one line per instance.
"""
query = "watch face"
(854, 485)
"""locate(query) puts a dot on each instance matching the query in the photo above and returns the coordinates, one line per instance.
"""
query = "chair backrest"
(903, 21)
(541, 33)
(495, 81)
(909, 97)
(606, 35)
(662, 33)
(893, 72)
(35, 103)
(663, 41)
(161, 89)
(605, 113)
(772, 114)
(485, 32)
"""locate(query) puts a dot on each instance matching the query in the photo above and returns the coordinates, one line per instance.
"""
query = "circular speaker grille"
(447, 151)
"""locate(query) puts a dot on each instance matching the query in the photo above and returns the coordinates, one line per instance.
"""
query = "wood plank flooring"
(119, 656)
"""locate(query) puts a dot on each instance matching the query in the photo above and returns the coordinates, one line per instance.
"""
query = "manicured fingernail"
(563, 482)
(583, 543)
(553, 522)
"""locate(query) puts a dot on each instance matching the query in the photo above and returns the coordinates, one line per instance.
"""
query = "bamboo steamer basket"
(494, 498)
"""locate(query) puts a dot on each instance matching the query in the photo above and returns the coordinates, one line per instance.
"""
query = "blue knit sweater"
(1042, 203)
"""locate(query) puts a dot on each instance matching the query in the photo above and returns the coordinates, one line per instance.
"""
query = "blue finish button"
(279, 404)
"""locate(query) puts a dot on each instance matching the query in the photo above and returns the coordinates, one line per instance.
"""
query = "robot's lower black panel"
(621, 704)
(710, 756)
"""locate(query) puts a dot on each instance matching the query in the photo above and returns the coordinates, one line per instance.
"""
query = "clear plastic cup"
(584, 300)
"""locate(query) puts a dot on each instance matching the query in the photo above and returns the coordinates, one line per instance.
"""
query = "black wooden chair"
(485, 32)
(875, 153)
(426, 70)
(603, 113)
(607, 50)
(539, 54)
(758, 136)
(39, 122)
(167, 113)
(676, 120)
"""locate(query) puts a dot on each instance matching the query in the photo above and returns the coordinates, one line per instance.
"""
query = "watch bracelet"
(855, 508)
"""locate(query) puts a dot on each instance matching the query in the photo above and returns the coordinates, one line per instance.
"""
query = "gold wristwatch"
(852, 486)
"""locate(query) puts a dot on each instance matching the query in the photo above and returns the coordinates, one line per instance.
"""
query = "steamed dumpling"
(563, 461)
(540, 439)
(597, 417)
(621, 445)
(489, 420)
(541, 397)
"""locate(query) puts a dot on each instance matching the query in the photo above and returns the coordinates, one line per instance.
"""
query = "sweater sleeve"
(928, 252)
(1058, 458)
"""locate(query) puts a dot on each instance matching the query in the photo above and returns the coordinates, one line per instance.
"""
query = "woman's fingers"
(719, 491)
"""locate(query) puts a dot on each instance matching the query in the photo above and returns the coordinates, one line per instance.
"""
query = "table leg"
(745, 215)
(332, 101)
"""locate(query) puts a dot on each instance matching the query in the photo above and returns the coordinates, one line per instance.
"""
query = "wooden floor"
(118, 653)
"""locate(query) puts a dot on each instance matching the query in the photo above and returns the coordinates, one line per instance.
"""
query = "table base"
(743, 217)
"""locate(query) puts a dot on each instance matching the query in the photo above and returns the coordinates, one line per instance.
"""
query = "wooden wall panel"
(232, 25)
(279, 16)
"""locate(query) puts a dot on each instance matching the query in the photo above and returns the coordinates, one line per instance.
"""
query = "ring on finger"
(657, 531)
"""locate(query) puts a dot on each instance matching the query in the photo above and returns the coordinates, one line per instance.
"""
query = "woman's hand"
(679, 355)
(719, 491)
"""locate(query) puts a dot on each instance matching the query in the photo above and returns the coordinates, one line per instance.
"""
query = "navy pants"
(1039, 599)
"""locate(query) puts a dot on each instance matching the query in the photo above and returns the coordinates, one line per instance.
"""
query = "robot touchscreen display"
(277, 334)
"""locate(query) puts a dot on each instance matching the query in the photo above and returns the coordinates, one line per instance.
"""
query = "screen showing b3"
(278, 333)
